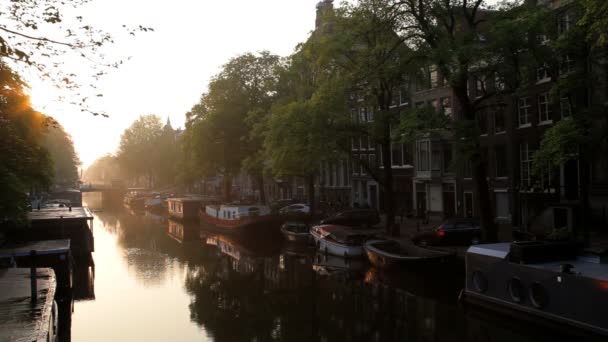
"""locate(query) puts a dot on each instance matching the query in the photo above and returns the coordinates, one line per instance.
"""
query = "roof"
(52, 214)
(20, 320)
(184, 199)
(41, 248)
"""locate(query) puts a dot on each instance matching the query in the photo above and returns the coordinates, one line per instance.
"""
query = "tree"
(25, 165)
(373, 61)
(137, 153)
(469, 44)
(65, 161)
(37, 33)
(104, 170)
(226, 125)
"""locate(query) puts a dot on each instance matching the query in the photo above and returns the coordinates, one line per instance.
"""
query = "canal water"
(156, 279)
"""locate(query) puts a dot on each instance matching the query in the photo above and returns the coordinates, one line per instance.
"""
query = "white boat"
(238, 217)
(341, 240)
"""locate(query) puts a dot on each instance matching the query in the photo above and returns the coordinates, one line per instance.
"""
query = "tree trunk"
(387, 187)
(484, 202)
(260, 181)
(584, 194)
(311, 193)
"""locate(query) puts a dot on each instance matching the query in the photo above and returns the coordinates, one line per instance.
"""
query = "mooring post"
(33, 276)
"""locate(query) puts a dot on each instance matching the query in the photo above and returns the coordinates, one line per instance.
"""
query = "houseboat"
(238, 218)
(183, 208)
(549, 282)
(135, 199)
(341, 240)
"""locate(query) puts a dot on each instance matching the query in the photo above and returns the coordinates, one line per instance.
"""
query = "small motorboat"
(296, 232)
(388, 254)
(341, 240)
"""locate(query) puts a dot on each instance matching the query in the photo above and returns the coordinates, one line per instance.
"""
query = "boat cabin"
(236, 212)
(184, 208)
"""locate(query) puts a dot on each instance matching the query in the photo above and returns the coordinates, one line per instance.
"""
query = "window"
(525, 156)
(446, 106)
(353, 115)
(447, 157)
(372, 161)
(468, 169)
(355, 143)
(500, 158)
(404, 91)
(480, 86)
(355, 165)
(499, 82)
(565, 108)
(436, 160)
(363, 159)
(542, 73)
(543, 39)
(362, 114)
(364, 142)
(370, 115)
(524, 111)
(499, 120)
(503, 210)
(566, 65)
(434, 74)
(563, 23)
(345, 173)
(422, 150)
(544, 108)
(397, 154)
(482, 122)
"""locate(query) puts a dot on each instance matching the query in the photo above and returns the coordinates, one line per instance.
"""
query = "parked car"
(451, 232)
(354, 218)
(277, 205)
(299, 208)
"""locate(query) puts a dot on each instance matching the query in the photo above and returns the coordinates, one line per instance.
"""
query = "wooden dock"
(47, 253)
(22, 319)
(75, 224)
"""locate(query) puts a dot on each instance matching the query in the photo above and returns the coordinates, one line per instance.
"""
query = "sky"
(169, 68)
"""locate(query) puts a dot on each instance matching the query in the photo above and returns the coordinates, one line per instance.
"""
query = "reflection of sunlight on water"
(139, 292)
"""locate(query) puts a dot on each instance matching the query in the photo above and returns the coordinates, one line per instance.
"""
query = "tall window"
(447, 157)
(422, 150)
(362, 114)
(500, 157)
(525, 157)
(499, 120)
(468, 169)
(499, 82)
(355, 143)
(363, 159)
(372, 161)
(566, 65)
(434, 74)
(397, 155)
(524, 109)
(563, 23)
(404, 93)
(480, 85)
(364, 142)
(436, 160)
(482, 122)
(544, 108)
(565, 108)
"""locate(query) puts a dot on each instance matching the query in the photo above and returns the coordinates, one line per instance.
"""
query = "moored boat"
(341, 240)
(296, 231)
(549, 282)
(183, 208)
(230, 218)
(387, 254)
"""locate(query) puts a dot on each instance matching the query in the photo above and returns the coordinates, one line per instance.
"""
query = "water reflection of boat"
(294, 231)
(390, 254)
(327, 264)
(182, 232)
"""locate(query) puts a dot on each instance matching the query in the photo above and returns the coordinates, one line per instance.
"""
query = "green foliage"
(595, 19)
(419, 120)
(138, 151)
(560, 143)
(25, 164)
(65, 161)
(103, 170)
